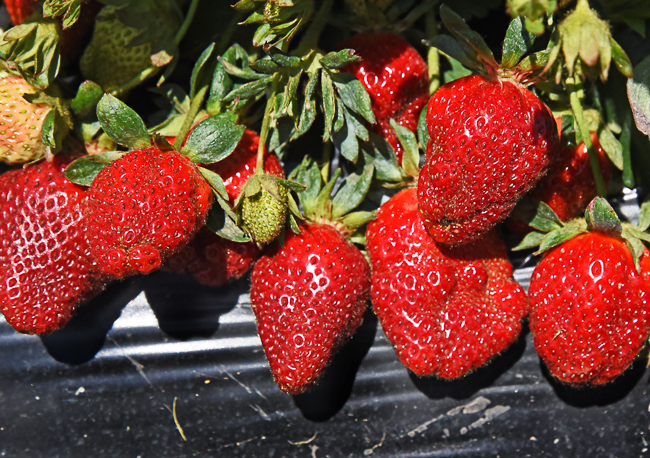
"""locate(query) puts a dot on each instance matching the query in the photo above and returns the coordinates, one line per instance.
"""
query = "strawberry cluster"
(427, 161)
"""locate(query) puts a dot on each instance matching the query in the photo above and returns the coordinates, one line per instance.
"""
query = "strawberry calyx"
(550, 231)
(583, 44)
(32, 49)
(322, 205)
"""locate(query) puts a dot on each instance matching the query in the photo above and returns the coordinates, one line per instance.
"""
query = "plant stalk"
(578, 114)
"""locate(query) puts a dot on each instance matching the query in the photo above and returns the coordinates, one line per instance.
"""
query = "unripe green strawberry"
(264, 214)
(108, 59)
(20, 122)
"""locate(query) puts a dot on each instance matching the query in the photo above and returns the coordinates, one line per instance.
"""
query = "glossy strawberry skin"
(446, 310)
(211, 259)
(589, 308)
(144, 207)
(492, 139)
(47, 265)
(309, 296)
(396, 78)
(569, 185)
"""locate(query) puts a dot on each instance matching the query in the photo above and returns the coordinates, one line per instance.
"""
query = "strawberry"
(447, 310)
(20, 122)
(590, 308)
(48, 268)
(395, 76)
(19, 10)
(589, 296)
(108, 60)
(309, 295)
(570, 185)
(145, 206)
(213, 260)
(492, 139)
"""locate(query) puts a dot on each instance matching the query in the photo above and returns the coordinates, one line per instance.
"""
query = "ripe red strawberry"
(19, 10)
(213, 260)
(447, 310)
(47, 265)
(491, 141)
(309, 295)
(590, 308)
(144, 207)
(395, 76)
(569, 185)
(20, 122)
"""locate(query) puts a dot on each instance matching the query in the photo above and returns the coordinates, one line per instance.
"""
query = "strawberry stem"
(143, 75)
(270, 105)
(433, 56)
(195, 106)
(312, 35)
(189, 17)
(578, 114)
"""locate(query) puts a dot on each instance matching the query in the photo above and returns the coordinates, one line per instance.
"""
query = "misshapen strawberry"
(492, 139)
(446, 310)
(395, 76)
(589, 304)
(48, 268)
(144, 207)
(309, 296)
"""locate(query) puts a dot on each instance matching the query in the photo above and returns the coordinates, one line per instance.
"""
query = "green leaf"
(411, 158)
(339, 59)
(284, 60)
(644, 217)
(638, 92)
(556, 237)
(306, 118)
(611, 146)
(601, 217)
(472, 43)
(69, 9)
(352, 193)
(248, 90)
(219, 222)
(85, 102)
(353, 221)
(345, 139)
(621, 61)
(545, 219)
(517, 43)
(121, 123)
(423, 131)
(215, 181)
(322, 208)
(308, 174)
(213, 139)
(354, 95)
(450, 47)
(203, 70)
(48, 129)
(636, 248)
(84, 170)
(329, 104)
(531, 240)
(380, 154)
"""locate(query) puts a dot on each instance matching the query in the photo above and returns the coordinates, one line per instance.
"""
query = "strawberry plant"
(353, 156)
